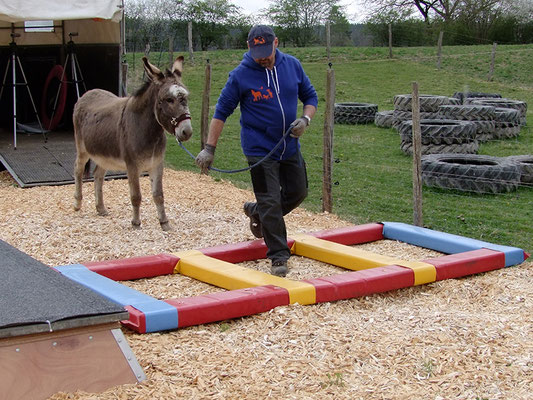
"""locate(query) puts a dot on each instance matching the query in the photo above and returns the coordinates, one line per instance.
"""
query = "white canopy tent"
(38, 10)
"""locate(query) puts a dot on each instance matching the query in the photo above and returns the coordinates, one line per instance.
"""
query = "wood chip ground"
(468, 338)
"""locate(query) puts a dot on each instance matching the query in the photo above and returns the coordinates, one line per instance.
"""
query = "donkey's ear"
(177, 67)
(152, 71)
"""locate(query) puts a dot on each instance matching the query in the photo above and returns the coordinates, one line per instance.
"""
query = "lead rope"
(232, 171)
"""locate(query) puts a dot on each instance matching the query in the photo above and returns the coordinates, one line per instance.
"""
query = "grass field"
(372, 176)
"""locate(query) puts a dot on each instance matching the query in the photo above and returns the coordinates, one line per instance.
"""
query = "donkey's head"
(171, 106)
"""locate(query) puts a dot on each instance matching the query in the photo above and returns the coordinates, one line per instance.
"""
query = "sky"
(355, 13)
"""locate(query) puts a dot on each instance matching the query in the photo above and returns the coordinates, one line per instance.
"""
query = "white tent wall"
(91, 31)
(98, 47)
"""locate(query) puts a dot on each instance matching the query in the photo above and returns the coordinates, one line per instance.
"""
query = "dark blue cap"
(261, 41)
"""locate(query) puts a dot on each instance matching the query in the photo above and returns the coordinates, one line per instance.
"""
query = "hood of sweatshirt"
(249, 62)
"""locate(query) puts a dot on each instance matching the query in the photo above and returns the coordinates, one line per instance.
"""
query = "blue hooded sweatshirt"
(268, 101)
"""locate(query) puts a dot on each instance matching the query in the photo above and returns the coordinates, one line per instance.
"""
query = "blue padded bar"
(446, 242)
(159, 315)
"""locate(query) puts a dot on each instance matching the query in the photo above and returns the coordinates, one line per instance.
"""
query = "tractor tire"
(521, 106)
(354, 113)
(428, 103)
(506, 130)
(463, 148)
(440, 131)
(384, 119)
(484, 130)
(470, 173)
(467, 112)
(525, 163)
(469, 95)
(408, 115)
(507, 115)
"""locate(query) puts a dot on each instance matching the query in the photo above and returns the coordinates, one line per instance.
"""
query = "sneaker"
(255, 223)
(279, 268)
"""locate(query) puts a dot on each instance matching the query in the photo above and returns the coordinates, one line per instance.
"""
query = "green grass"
(372, 177)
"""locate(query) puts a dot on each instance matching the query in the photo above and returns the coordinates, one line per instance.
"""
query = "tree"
(212, 20)
(298, 18)
(444, 10)
(145, 23)
(339, 26)
(406, 30)
(428, 9)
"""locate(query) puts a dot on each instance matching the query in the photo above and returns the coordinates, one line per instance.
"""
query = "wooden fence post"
(147, 50)
(204, 122)
(492, 60)
(328, 40)
(327, 198)
(124, 78)
(189, 34)
(417, 158)
(147, 55)
(439, 50)
(171, 50)
(390, 40)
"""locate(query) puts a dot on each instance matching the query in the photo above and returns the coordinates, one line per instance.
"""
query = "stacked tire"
(470, 173)
(354, 113)
(525, 164)
(510, 116)
(440, 136)
(482, 116)
(384, 119)
(429, 107)
(520, 106)
(463, 96)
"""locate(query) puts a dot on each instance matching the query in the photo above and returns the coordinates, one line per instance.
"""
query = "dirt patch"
(460, 338)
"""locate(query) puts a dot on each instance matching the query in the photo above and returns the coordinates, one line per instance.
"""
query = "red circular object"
(55, 73)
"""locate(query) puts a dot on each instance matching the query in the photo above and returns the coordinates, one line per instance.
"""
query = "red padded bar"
(467, 263)
(135, 268)
(352, 234)
(361, 283)
(137, 320)
(227, 305)
(238, 252)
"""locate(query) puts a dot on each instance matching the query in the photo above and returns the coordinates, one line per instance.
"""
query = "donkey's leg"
(135, 194)
(79, 167)
(156, 179)
(99, 174)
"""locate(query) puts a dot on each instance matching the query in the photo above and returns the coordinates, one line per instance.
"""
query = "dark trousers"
(279, 187)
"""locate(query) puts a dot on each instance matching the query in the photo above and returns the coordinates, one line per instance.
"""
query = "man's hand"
(205, 158)
(299, 126)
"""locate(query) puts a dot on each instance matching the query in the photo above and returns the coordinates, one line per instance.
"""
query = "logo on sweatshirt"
(262, 94)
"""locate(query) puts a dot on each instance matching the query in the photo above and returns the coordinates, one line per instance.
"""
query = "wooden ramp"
(56, 335)
(39, 162)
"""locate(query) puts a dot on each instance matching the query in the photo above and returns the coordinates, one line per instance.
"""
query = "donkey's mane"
(142, 90)
(169, 73)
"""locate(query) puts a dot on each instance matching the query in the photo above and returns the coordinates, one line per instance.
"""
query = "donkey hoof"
(166, 226)
(136, 225)
(102, 212)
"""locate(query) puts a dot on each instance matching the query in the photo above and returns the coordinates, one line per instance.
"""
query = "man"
(267, 84)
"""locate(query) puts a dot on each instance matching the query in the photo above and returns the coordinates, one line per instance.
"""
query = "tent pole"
(14, 74)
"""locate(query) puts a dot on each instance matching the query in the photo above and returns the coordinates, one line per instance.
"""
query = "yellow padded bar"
(229, 276)
(356, 259)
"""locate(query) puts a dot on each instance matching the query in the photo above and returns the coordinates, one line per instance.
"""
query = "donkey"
(128, 134)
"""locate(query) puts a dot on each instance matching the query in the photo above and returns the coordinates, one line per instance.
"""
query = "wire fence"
(379, 188)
